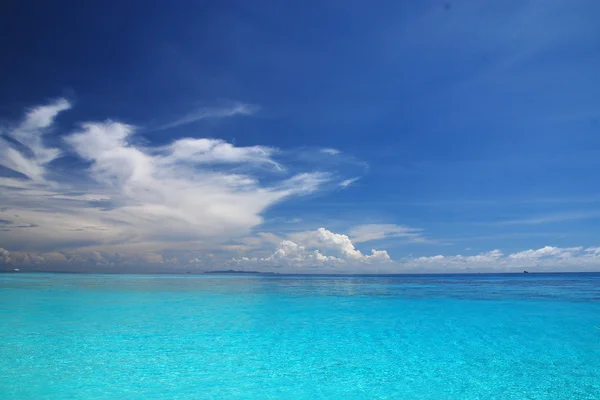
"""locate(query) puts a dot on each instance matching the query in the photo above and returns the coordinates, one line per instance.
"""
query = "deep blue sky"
(479, 120)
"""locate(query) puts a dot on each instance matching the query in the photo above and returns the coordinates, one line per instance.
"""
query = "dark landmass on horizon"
(232, 271)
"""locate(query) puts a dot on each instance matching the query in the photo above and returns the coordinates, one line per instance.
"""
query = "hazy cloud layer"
(321, 251)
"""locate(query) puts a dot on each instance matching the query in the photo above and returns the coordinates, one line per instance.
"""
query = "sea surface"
(522, 336)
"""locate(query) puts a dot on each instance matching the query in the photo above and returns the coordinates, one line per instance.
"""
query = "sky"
(300, 136)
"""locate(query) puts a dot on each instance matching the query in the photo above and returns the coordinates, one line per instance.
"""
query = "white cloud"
(330, 151)
(289, 252)
(490, 260)
(369, 232)
(546, 252)
(214, 151)
(212, 112)
(349, 182)
(332, 252)
(29, 133)
(318, 248)
(191, 193)
(547, 258)
(593, 250)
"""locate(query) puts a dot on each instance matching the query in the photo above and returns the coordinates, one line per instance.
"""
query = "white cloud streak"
(29, 133)
(212, 112)
(331, 152)
(370, 232)
(349, 182)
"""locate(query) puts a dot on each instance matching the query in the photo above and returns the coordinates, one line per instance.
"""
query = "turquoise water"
(466, 337)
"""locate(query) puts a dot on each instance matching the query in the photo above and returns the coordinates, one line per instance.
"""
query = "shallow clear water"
(272, 337)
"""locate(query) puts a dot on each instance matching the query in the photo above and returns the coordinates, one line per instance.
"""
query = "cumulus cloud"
(333, 252)
(190, 193)
(289, 252)
(318, 248)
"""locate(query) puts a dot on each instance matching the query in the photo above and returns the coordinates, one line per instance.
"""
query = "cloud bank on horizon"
(185, 204)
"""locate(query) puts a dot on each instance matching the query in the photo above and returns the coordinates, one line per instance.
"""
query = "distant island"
(231, 271)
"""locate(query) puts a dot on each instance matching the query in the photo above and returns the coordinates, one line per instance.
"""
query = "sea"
(230, 336)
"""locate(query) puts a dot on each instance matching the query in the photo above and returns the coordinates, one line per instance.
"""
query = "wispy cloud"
(371, 232)
(212, 112)
(349, 182)
(551, 218)
(331, 151)
(29, 134)
(192, 193)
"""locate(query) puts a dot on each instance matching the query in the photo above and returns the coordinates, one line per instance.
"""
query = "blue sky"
(434, 132)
